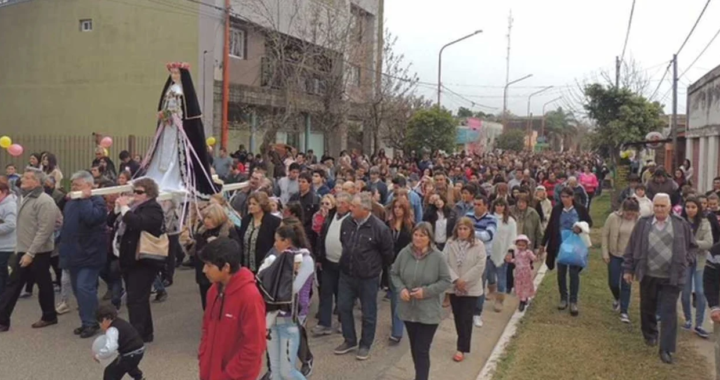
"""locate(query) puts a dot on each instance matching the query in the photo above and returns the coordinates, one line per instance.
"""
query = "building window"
(237, 43)
(354, 75)
(86, 25)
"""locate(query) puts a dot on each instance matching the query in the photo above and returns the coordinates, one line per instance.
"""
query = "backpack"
(276, 283)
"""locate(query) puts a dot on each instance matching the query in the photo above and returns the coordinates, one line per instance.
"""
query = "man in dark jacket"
(83, 248)
(367, 247)
(660, 183)
(310, 203)
(657, 255)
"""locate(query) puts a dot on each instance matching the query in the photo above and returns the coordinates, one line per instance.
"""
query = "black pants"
(122, 365)
(304, 353)
(562, 271)
(55, 264)
(139, 280)
(463, 309)
(509, 278)
(168, 270)
(421, 337)
(331, 278)
(40, 269)
(204, 287)
(657, 294)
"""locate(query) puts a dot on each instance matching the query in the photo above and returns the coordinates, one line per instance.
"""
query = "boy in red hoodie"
(233, 333)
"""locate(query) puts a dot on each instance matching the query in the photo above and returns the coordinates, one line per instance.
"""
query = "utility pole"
(226, 79)
(618, 65)
(507, 70)
(674, 127)
(380, 49)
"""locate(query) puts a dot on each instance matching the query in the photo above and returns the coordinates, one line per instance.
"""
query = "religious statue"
(177, 159)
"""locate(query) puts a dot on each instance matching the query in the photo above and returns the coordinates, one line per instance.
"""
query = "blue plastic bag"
(572, 250)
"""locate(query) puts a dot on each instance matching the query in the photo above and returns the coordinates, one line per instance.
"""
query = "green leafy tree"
(621, 116)
(431, 129)
(559, 125)
(464, 112)
(513, 140)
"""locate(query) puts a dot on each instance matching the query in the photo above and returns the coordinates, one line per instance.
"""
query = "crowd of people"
(426, 232)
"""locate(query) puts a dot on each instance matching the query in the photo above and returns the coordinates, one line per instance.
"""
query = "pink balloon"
(106, 142)
(15, 150)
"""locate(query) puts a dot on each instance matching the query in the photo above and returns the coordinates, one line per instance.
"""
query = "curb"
(490, 366)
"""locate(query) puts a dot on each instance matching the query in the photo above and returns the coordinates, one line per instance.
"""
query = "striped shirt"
(485, 228)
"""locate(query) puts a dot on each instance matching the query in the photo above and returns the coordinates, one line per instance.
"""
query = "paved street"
(55, 353)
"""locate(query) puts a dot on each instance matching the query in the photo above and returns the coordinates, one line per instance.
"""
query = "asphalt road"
(55, 353)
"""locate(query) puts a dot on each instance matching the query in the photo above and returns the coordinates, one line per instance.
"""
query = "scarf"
(461, 256)
(34, 193)
(120, 228)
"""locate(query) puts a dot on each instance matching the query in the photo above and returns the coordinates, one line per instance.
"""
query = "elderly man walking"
(657, 255)
(83, 248)
(35, 226)
(367, 247)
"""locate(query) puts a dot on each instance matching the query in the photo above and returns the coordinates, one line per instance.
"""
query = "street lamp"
(440, 60)
(504, 115)
(542, 128)
(529, 122)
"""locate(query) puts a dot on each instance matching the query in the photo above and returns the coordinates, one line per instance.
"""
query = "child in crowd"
(523, 259)
(646, 205)
(121, 338)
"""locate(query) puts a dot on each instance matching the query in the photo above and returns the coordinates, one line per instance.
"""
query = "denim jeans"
(366, 289)
(65, 286)
(4, 274)
(694, 281)
(397, 323)
(84, 284)
(330, 278)
(562, 271)
(282, 348)
(620, 289)
(497, 275)
(112, 277)
(158, 284)
(485, 281)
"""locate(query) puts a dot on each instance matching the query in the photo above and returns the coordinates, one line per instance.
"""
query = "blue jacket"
(83, 238)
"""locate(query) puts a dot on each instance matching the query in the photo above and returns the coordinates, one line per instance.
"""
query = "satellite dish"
(653, 139)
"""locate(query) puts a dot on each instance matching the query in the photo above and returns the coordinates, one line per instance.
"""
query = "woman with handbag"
(140, 244)
(214, 224)
(257, 233)
(562, 218)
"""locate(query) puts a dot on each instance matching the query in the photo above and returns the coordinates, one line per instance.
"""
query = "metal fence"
(73, 152)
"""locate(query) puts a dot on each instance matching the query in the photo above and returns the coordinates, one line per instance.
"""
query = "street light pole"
(504, 115)
(529, 122)
(439, 89)
(542, 128)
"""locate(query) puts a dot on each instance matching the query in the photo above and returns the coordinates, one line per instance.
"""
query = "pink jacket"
(589, 182)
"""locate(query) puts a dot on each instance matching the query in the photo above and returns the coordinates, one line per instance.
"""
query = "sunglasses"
(139, 192)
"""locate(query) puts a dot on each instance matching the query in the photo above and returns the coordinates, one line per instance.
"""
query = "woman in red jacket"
(233, 332)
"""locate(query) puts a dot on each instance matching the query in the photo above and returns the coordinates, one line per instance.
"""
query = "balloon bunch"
(106, 143)
(15, 150)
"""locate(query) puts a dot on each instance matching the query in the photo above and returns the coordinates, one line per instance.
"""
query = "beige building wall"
(58, 80)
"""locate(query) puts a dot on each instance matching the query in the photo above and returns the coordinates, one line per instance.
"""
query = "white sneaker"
(624, 318)
(477, 321)
(62, 308)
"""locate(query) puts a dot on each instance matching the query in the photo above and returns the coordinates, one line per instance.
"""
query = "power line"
(627, 34)
(693, 28)
(701, 53)
(472, 102)
(667, 69)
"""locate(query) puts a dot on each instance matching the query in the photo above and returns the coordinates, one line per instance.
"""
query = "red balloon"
(15, 150)
(106, 142)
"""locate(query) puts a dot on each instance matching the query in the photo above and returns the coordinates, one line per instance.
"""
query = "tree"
(621, 116)
(464, 112)
(513, 140)
(394, 132)
(431, 129)
(559, 125)
(389, 107)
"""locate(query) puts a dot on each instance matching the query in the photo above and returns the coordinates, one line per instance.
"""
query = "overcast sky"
(558, 41)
